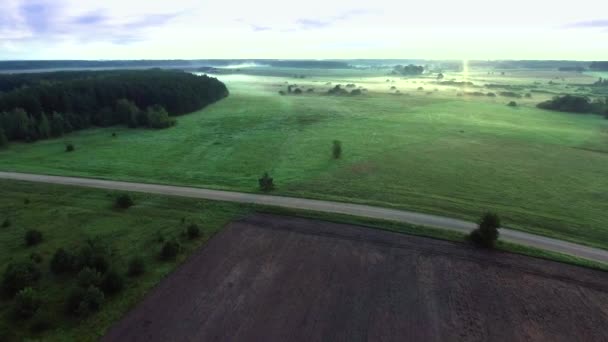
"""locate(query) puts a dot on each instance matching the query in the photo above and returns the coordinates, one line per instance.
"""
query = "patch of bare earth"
(274, 278)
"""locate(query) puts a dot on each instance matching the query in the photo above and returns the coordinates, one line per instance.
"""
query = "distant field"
(428, 150)
(67, 216)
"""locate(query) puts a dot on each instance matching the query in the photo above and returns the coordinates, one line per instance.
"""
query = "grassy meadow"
(67, 216)
(439, 149)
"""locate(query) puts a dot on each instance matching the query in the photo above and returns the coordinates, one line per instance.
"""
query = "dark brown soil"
(274, 278)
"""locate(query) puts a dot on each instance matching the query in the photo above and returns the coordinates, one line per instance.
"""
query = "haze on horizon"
(191, 29)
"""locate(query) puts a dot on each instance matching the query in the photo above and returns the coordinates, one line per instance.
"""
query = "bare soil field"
(275, 278)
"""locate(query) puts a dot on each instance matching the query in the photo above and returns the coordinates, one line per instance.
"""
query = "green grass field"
(67, 216)
(431, 151)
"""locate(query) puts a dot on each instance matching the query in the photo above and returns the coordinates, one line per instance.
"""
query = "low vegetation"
(266, 183)
(95, 262)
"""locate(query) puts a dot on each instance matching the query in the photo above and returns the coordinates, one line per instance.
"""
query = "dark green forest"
(44, 105)
(576, 104)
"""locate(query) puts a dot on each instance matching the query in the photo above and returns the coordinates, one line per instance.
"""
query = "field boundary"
(359, 210)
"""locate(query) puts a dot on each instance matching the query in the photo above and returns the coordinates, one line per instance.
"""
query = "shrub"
(88, 277)
(169, 250)
(18, 276)
(158, 117)
(487, 233)
(136, 266)
(93, 255)
(512, 104)
(266, 182)
(356, 92)
(337, 149)
(62, 262)
(36, 257)
(6, 223)
(3, 138)
(69, 147)
(281, 92)
(26, 201)
(27, 302)
(123, 201)
(297, 91)
(33, 237)
(41, 321)
(112, 282)
(193, 231)
(81, 302)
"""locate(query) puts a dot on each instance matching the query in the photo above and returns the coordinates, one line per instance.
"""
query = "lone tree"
(123, 201)
(487, 233)
(337, 149)
(266, 182)
(440, 76)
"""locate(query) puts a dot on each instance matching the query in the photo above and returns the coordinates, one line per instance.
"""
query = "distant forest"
(168, 64)
(408, 70)
(39, 106)
(599, 66)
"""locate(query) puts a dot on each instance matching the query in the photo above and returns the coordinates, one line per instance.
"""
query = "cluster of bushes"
(338, 90)
(576, 104)
(96, 277)
(39, 109)
(408, 70)
(601, 82)
(510, 94)
(457, 83)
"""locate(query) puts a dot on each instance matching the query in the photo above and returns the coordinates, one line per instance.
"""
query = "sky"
(304, 29)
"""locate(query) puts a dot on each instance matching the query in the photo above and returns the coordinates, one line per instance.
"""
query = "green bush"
(33, 237)
(136, 266)
(266, 182)
(158, 117)
(487, 233)
(81, 302)
(337, 149)
(193, 231)
(170, 250)
(36, 257)
(62, 262)
(94, 255)
(88, 277)
(112, 282)
(27, 302)
(41, 321)
(6, 223)
(19, 275)
(512, 104)
(69, 148)
(123, 201)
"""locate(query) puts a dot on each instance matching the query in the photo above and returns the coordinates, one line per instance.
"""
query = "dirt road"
(322, 206)
(276, 278)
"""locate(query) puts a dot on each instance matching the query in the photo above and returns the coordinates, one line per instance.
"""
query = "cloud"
(257, 28)
(307, 24)
(601, 23)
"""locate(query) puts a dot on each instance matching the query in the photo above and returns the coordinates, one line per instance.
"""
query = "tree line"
(576, 104)
(408, 70)
(49, 105)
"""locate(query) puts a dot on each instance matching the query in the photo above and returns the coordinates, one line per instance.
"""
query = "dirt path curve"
(322, 206)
